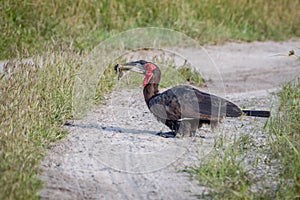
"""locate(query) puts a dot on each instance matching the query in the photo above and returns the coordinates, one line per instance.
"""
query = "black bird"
(183, 108)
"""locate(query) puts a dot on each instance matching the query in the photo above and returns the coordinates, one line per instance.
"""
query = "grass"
(223, 171)
(35, 99)
(285, 141)
(35, 24)
(230, 172)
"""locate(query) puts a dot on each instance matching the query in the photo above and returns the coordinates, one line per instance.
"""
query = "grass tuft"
(223, 171)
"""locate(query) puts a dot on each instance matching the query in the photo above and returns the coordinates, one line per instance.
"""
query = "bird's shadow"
(168, 134)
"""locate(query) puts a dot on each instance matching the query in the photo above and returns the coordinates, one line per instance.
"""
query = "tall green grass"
(33, 24)
(285, 140)
(35, 100)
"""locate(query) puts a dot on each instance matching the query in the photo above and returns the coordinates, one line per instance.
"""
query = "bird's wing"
(216, 106)
(185, 102)
(165, 106)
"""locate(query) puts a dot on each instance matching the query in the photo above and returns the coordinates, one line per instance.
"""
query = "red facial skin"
(148, 75)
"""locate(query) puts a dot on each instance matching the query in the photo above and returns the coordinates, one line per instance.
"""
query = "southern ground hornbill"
(183, 108)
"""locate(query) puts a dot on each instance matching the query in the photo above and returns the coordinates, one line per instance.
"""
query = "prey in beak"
(136, 66)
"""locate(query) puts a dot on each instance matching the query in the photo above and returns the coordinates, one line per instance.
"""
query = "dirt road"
(113, 153)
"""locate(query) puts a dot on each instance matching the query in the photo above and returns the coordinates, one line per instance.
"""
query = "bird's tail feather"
(257, 113)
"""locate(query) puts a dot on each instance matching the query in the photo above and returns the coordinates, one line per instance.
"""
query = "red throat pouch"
(149, 68)
(147, 78)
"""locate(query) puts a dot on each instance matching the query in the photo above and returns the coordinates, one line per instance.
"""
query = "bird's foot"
(169, 134)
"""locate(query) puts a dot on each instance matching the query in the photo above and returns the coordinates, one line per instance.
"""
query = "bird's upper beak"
(130, 66)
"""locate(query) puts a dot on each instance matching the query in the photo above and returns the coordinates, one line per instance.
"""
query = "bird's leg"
(213, 125)
(195, 124)
(180, 131)
(192, 133)
(184, 129)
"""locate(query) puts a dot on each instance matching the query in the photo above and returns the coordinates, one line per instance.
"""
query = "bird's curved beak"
(130, 66)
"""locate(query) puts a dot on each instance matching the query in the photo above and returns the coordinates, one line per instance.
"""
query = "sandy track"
(113, 153)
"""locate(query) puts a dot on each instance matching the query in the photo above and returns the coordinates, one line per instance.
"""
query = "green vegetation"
(34, 101)
(36, 98)
(191, 76)
(230, 173)
(27, 26)
(223, 171)
(285, 141)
